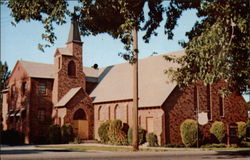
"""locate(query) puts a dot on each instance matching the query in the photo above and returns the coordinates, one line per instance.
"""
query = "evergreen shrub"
(67, 133)
(12, 137)
(242, 129)
(141, 135)
(218, 130)
(116, 134)
(151, 139)
(54, 134)
(189, 131)
(248, 130)
(103, 132)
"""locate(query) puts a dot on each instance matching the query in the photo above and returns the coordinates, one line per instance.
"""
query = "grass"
(84, 148)
(95, 148)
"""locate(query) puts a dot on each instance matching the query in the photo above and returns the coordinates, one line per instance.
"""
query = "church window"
(24, 86)
(99, 113)
(42, 88)
(79, 115)
(72, 68)
(13, 90)
(41, 115)
(59, 62)
(222, 106)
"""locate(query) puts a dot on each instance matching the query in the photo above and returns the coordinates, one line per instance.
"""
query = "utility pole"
(135, 89)
(198, 110)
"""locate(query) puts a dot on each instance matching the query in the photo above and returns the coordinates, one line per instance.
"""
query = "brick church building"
(39, 95)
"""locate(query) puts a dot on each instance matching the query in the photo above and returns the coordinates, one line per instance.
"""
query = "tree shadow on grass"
(36, 151)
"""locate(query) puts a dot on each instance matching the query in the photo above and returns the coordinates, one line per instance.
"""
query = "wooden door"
(150, 124)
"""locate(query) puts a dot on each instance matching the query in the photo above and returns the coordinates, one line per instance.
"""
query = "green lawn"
(84, 148)
(99, 148)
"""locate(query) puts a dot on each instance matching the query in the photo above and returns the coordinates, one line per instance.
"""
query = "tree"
(218, 46)
(120, 18)
(4, 74)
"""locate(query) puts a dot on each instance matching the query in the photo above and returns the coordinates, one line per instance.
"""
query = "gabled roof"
(43, 70)
(38, 70)
(67, 97)
(65, 51)
(153, 86)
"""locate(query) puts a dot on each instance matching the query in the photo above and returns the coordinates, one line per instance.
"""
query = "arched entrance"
(80, 124)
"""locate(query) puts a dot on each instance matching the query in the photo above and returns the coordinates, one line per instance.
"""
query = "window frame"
(44, 90)
(71, 69)
(41, 115)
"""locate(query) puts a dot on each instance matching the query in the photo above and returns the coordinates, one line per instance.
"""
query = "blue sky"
(20, 42)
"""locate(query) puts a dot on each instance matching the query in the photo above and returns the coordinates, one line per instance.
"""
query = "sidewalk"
(144, 148)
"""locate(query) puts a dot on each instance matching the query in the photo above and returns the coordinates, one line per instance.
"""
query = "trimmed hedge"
(103, 132)
(218, 130)
(116, 134)
(242, 129)
(151, 139)
(12, 137)
(54, 134)
(248, 130)
(189, 129)
(141, 135)
(112, 132)
(67, 134)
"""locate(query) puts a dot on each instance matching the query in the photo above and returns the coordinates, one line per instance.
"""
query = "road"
(28, 153)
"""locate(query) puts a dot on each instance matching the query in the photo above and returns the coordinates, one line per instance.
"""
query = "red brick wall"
(40, 102)
(63, 82)
(81, 101)
(123, 110)
(181, 105)
(17, 100)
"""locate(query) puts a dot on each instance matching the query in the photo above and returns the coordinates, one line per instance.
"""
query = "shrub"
(12, 137)
(248, 130)
(103, 132)
(41, 139)
(189, 131)
(221, 145)
(77, 140)
(218, 130)
(54, 134)
(141, 135)
(174, 145)
(242, 128)
(116, 134)
(67, 133)
(151, 139)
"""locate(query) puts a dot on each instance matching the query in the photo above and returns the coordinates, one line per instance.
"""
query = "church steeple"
(74, 35)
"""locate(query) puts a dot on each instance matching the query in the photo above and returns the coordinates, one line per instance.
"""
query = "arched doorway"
(80, 124)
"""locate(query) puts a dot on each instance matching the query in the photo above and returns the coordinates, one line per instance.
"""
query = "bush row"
(116, 132)
(59, 134)
(11, 137)
(189, 129)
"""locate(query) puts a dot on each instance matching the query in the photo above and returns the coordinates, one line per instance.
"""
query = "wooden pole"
(135, 90)
(198, 110)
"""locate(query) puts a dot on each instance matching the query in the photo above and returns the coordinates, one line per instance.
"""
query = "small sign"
(202, 118)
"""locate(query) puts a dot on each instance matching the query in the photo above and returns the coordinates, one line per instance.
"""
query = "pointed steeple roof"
(74, 35)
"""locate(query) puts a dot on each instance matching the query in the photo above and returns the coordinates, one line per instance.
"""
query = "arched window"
(72, 68)
(116, 112)
(79, 115)
(99, 113)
